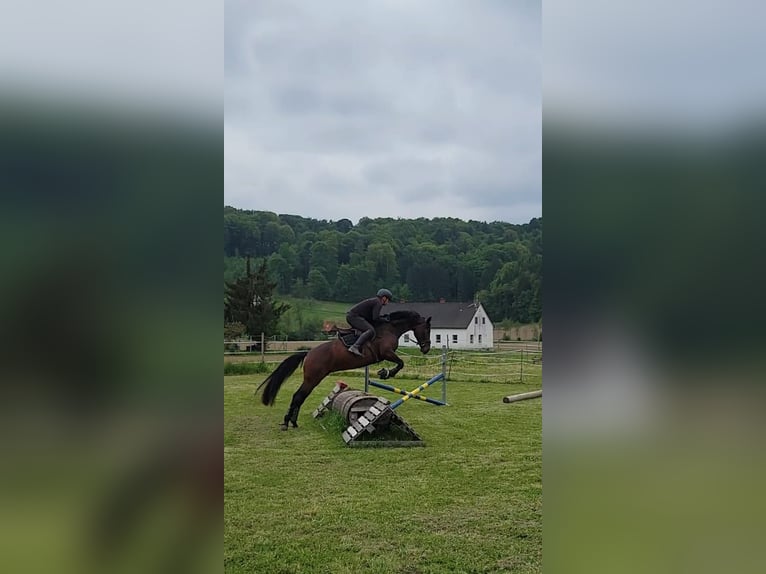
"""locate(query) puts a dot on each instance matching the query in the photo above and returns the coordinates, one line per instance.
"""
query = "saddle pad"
(348, 337)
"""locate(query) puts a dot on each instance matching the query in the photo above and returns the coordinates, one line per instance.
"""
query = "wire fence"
(521, 366)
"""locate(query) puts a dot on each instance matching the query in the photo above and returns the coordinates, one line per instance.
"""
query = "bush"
(233, 331)
(311, 330)
(245, 368)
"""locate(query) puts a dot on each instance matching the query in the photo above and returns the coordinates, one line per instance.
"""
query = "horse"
(334, 356)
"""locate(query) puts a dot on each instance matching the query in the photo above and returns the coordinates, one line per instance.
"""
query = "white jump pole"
(523, 396)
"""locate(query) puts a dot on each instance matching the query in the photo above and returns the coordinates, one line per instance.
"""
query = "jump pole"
(410, 394)
(523, 396)
(443, 377)
(444, 374)
(403, 392)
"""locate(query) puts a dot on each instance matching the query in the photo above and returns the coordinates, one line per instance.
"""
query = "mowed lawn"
(301, 501)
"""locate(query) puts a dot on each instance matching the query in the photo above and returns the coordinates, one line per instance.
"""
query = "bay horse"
(334, 356)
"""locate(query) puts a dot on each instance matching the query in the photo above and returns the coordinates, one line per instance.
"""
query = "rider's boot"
(355, 349)
(360, 342)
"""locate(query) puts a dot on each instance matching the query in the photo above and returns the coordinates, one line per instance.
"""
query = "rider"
(362, 314)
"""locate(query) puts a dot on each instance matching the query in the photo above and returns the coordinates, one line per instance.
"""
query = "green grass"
(246, 368)
(314, 310)
(302, 502)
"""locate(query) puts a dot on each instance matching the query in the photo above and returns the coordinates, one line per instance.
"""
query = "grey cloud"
(123, 56)
(330, 104)
(300, 99)
(678, 64)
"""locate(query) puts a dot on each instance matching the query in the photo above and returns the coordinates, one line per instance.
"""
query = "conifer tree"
(249, 300)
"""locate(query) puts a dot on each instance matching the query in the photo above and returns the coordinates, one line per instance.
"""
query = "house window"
(438, 338)
(454, 338)
(471, 339)
(479, 339)
(483, 320)
(475, 320)
(407, 338)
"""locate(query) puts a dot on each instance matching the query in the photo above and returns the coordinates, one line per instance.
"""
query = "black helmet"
(386, 293)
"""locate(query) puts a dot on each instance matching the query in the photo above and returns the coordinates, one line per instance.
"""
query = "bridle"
(422, 344)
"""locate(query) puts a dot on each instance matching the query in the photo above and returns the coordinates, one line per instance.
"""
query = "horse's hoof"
(283, 426)
(295, 424)
(383, 374)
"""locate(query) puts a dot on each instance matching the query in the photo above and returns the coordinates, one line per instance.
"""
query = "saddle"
(348, 336)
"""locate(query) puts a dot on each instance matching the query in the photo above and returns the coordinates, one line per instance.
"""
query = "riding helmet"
(385, 292)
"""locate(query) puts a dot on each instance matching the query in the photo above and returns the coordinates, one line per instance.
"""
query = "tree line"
(418, 259)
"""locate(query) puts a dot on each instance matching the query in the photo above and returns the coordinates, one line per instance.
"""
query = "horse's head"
(422, 331)
(404, 321)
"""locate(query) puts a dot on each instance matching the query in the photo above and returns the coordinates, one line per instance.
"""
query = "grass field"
(316, 311)
(313, 311)
(302, 502)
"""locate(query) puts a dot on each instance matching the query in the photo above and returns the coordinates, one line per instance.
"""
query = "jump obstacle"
(370, 417)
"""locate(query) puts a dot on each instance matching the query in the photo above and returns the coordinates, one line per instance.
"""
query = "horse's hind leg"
(295, 406)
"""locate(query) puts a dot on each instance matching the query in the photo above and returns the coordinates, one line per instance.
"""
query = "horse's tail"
(275, 379)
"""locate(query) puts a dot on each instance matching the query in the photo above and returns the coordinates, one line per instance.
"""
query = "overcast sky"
(682, 65)
(346, 109)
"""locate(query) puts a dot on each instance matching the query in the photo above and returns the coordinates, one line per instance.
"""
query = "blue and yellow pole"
(409, 394)
(403, 392)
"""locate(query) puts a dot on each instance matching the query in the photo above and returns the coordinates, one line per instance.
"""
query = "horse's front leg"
(391, 373)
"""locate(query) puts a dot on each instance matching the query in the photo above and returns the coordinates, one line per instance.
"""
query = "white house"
(456, 325)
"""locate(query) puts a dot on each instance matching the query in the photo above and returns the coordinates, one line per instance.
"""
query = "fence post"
(366, 378)
(521, 374)
(263, 348)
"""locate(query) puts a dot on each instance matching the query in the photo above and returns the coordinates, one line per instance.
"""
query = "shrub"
(233, 331)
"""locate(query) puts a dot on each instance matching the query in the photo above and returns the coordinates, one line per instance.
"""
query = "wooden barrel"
(352, 404)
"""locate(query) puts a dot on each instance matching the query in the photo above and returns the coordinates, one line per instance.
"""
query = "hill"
(419, 259)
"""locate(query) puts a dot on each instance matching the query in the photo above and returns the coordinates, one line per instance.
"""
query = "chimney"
(442, 300)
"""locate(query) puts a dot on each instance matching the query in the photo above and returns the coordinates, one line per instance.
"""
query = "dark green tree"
(318, 285)
(382, 258)
(324, 258)
(281, 272)
(419, 259)
(249, 300)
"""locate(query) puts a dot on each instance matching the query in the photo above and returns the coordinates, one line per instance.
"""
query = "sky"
(122, 55)
(683, 66)
(351, 109)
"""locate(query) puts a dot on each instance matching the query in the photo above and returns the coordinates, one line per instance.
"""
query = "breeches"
(359, 323)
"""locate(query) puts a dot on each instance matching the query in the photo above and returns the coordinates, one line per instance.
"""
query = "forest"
(418, 259)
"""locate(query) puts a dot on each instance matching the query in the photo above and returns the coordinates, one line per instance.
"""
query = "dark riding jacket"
(369, 309)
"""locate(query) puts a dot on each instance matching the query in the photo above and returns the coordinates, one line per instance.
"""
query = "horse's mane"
(409, 316)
